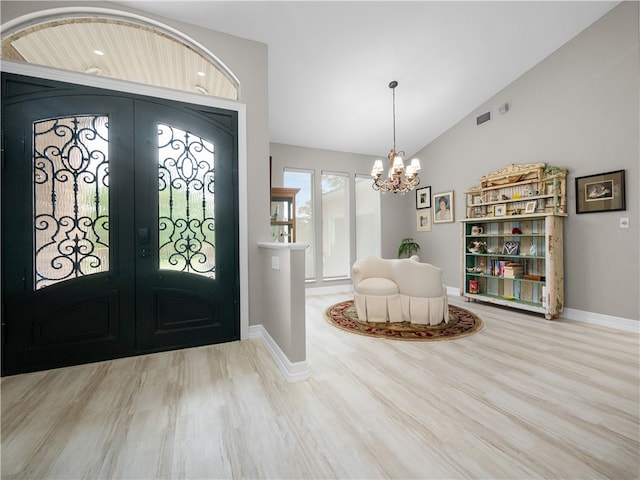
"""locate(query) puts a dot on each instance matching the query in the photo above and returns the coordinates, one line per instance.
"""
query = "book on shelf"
(513, 270)
(497, 267)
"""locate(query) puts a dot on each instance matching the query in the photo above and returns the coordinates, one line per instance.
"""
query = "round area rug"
(461, 324)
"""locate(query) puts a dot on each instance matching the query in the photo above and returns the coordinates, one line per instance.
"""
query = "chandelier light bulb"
(398, 164)
(377, 168)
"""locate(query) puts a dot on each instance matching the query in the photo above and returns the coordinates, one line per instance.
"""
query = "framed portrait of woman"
(442, 207)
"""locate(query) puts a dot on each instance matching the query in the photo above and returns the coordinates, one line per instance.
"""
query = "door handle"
(143, 252)
(143, 236)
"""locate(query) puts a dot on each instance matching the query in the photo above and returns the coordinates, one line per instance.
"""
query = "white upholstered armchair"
(397, 290)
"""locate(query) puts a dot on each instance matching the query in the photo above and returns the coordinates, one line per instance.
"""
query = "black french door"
(119, 225)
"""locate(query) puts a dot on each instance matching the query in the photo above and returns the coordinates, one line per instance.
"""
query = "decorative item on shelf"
(477, 247)
(511, 248)
(477, 230)
(516, 231)
(399, 179)
(479, 212)
(473, 286)
(530, 207)
(551, 171)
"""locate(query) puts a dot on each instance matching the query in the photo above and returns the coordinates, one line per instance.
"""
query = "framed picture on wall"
(443, 209)
(423, 220)
(603, 192)
(423, 198)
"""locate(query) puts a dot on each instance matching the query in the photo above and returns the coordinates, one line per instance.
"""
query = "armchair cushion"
(378, 286)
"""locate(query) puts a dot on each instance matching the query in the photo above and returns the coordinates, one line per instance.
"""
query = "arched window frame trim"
(44, 16)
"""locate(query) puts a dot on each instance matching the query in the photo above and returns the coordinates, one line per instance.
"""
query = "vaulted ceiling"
(330, 62)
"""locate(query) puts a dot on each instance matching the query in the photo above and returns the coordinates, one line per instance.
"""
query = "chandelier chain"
(393, 89)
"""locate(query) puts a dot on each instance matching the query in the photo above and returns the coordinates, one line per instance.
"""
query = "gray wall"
(248, 61)
(577, 109)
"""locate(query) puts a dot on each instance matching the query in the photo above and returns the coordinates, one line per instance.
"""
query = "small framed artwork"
(603, 192)
(500, 210)
(479, 212)
(423, 198)
(530, 207)
(423, 220)
(443, 209)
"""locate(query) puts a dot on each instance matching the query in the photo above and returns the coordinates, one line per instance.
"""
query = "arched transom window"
(119, 48)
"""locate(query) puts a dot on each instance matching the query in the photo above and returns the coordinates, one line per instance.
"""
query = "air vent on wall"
(485, 117)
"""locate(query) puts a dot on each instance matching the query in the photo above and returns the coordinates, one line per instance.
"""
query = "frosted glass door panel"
(186, 191)
(70, 198)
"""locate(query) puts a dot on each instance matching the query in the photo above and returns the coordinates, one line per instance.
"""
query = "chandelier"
(399, 179)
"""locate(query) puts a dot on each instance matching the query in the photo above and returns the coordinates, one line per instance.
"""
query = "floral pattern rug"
(461, 324)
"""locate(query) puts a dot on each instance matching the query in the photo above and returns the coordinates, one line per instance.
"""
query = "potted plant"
(407, 248)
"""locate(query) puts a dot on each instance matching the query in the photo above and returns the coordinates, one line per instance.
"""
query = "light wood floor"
(524, 398)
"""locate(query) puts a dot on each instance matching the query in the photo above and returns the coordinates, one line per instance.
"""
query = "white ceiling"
(330, 62)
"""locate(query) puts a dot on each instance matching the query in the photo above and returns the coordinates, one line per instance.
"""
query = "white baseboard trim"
(453, 291)
(602, 320)
(311, 291)
(292, 372)
(599, 319)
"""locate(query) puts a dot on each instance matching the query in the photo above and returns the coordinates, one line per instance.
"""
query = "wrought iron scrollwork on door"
(70, 198)
(186, 191)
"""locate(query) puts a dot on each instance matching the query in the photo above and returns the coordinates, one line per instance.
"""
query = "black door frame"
(185, 97)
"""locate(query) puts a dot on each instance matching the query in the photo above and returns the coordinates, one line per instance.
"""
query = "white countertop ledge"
(283, 246)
